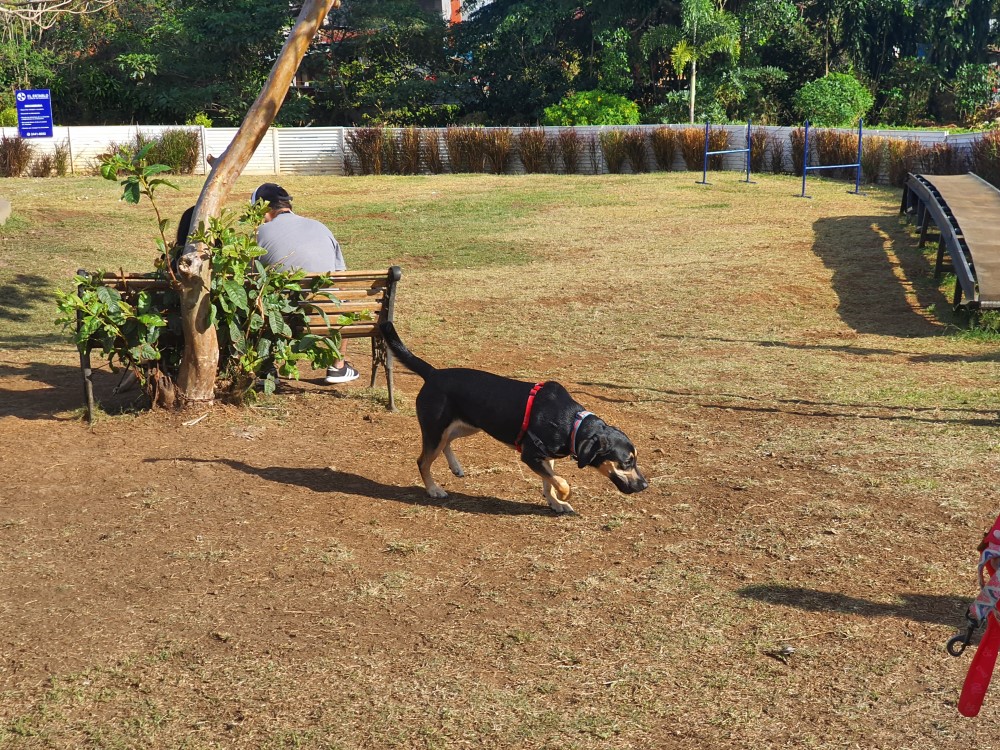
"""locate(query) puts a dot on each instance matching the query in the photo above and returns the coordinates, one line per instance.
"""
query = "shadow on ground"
(877, 271)
(324, 479)
(938, 610)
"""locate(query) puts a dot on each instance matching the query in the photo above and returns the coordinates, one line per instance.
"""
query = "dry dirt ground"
(274, 577)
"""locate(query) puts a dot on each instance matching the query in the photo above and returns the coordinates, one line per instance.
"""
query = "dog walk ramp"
(966, 211)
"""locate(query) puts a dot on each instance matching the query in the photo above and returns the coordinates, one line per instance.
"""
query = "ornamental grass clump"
(570, 147)
(531, 148)
(873, 158)
(634, 143)
(664, 144)
(692, 145)
(776, 153)
(718, 140)
(367, 146)
(498, 149)
(613, 148)
(430, 146)
(466, 149)
(903, 156)
(15, 156)
(944, 158)
(985, 157)
(758, 149)
(409, 151)
(797, 146)
(836, 147)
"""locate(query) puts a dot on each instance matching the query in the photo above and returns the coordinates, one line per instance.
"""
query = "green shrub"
(199, 118)
(592, 108)
(973, 87)
(8, 117)
(15, 155)
(907, 91)
(834, 100)
(178, 148)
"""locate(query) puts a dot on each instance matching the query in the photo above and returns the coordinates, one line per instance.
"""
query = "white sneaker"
(343, 375)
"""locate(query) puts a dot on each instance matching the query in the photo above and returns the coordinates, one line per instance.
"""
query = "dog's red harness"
(527, 415)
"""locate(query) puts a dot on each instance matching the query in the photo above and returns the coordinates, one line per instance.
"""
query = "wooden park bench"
(372, 292)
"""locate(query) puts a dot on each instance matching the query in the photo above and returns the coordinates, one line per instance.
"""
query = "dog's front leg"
(555, 489)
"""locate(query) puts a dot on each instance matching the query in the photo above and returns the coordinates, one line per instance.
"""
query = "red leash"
(527, 415)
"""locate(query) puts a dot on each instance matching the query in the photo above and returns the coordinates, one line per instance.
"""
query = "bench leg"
(88, 384)
(382, 356)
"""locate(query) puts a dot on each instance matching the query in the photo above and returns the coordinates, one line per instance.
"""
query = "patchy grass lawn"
(819, 433)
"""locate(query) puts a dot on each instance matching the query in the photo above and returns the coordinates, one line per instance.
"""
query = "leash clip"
(958, 642)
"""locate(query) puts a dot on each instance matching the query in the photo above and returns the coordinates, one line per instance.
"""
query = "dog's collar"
(527, 415)
(576, 426)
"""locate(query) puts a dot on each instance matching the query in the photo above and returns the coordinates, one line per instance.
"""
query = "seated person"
(293, 241)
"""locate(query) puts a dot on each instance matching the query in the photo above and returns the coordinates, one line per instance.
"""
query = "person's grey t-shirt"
(294, 241)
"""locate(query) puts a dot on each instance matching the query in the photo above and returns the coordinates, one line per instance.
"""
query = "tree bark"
(200, 360)
(694, 78)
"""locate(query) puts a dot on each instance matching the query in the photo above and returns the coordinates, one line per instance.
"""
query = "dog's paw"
(559, 506)
(437, 493)
(457, 471)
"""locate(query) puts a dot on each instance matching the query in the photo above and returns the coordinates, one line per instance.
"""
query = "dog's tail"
(410, 360)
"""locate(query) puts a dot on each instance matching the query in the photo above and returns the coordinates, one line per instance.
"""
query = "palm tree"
(705, 30)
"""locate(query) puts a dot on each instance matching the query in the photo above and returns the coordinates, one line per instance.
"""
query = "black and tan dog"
(541, 420)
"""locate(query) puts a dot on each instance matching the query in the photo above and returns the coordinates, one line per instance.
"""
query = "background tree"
(387, 62)
(704, 31)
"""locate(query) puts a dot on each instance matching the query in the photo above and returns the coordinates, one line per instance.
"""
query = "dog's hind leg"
(455, 431)
(431, 452)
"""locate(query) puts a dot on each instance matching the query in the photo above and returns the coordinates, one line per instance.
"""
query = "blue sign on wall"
(34, 113)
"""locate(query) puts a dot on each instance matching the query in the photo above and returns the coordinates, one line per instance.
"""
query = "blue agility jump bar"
(704, 168)
(806, 169)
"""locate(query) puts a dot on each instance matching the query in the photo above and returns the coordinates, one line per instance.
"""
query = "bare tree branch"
(44, 14)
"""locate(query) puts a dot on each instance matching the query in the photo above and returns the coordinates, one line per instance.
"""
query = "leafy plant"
(833, 100)
(592, 108)
(261, 312)
(974, 87)
(907, 91)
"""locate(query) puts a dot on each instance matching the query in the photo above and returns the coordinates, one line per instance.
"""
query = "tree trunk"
(694, 78)
(200, 361)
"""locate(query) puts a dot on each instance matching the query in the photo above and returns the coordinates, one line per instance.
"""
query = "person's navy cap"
(271, 193)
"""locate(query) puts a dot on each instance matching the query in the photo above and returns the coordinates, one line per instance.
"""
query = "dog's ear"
(589, 449)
